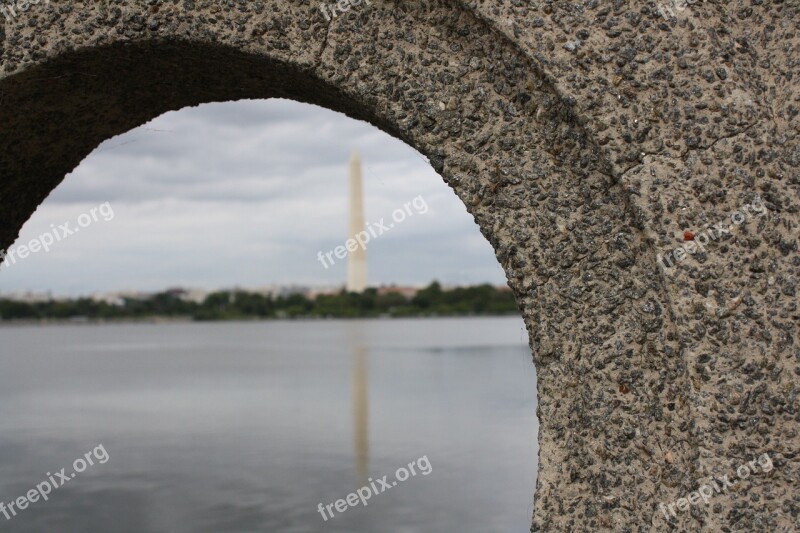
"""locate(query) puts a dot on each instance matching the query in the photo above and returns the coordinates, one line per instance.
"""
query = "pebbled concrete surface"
(587, 139)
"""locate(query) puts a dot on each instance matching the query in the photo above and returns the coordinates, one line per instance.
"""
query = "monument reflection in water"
(360, 378)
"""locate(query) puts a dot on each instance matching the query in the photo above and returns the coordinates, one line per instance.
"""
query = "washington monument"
(357, 260)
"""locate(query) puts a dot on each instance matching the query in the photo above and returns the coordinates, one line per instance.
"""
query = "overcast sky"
(246, 194)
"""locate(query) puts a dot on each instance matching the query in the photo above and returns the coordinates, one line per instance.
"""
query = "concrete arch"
(581, 137)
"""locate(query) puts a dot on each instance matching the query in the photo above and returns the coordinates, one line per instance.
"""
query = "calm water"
(249, 426)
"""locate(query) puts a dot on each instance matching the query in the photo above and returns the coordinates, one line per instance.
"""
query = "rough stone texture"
(584, 137)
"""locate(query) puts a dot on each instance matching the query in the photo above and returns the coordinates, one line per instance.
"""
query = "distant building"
(119, 297)
(324, 291)
(28, 297)
(408, 292)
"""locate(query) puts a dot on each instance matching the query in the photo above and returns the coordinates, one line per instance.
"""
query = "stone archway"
(585, 139)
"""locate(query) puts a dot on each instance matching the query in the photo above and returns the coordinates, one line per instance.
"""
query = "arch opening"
(439, 347)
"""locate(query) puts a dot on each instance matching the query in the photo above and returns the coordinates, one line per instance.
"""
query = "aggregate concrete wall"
(633, 164)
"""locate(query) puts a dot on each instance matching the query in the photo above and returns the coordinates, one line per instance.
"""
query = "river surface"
(245, 427)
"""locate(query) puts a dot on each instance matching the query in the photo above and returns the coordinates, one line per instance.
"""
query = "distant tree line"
(243, 305)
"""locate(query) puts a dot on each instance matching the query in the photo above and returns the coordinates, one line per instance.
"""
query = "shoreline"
(190, 320)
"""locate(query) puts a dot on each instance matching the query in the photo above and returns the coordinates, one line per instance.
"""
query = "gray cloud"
(247, 193)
